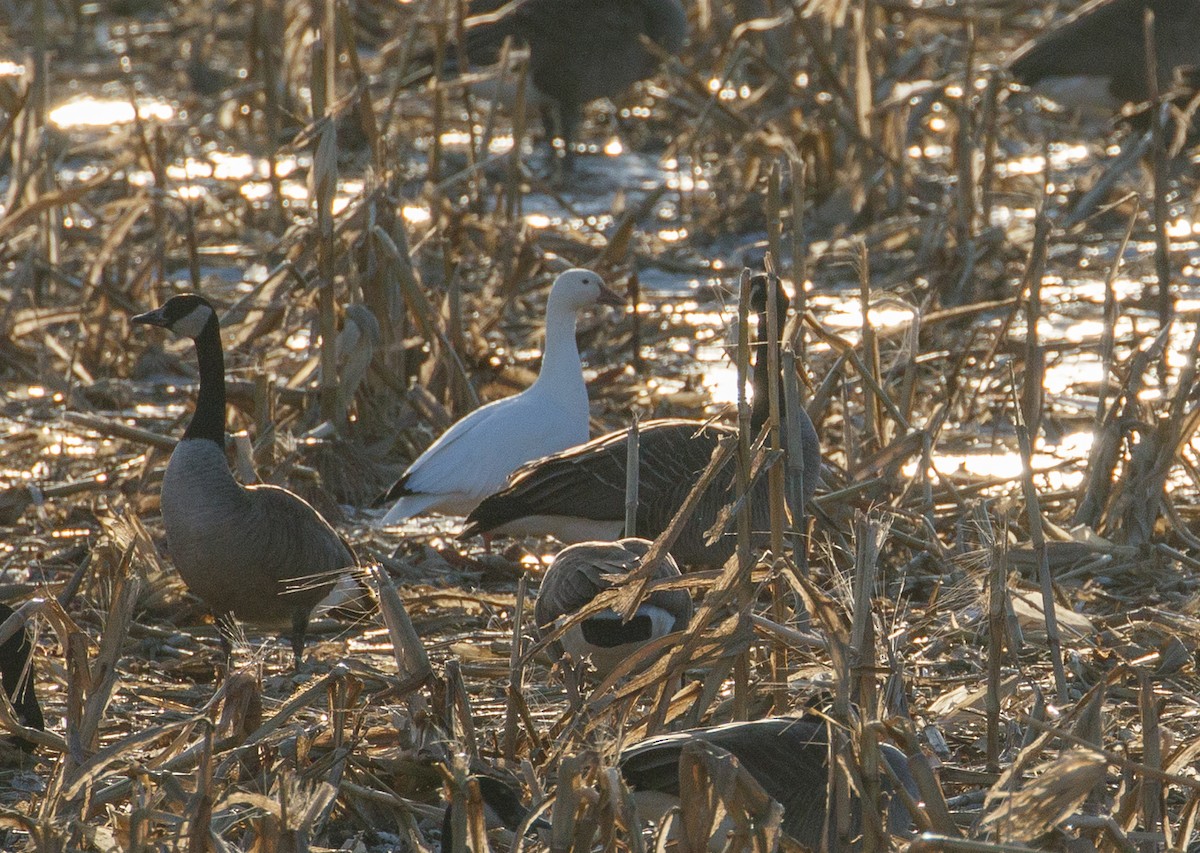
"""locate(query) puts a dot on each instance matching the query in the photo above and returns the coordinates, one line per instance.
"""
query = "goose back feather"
(579, 50)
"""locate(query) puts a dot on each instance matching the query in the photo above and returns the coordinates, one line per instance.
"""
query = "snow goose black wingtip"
(254, 551)
(475, 457)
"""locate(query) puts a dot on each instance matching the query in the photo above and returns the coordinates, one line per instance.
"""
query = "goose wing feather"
(588, 481)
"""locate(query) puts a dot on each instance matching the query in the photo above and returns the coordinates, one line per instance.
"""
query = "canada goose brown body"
(581, 572)
(1096, 57)
(579, 494)
(787, 756)
(260, 553)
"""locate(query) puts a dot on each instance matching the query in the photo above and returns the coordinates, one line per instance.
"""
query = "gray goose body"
(788, 756)
(579, 494)
(260, 553)
(1096, 57)
(577, 576)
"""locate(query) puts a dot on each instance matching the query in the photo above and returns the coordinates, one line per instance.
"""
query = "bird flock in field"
(526, 465)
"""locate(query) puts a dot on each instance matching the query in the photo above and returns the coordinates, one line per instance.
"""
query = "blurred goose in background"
(578, 575)
(579, 494)
(787, 756)
(474, 457)
(1095, 58)
(16, 673)
(260, 553)
(579, 50)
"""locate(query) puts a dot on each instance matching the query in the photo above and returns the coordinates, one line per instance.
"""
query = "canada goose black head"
(502, 806)
(186, 315)
(16, 673)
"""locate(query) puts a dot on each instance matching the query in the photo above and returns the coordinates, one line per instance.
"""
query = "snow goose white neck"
(474, 457)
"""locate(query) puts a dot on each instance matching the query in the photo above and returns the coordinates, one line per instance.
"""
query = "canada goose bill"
(477, 454)
(259, 553)
(579, 50)
(1095, 59)
(579, 494)
(16, 673)
(581, 572)
(787, 756)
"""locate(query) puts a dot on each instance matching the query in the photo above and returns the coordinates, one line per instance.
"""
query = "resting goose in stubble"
(260, 553)
(1095, 58)
(579, 50)
(579, 494)
(16, 673)
(476, 455)
(578, 575)
(787, 756)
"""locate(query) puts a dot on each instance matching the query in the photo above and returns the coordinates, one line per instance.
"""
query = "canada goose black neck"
(760, 377)
(208, 421)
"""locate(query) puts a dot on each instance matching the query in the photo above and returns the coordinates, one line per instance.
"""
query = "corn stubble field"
(379, 269)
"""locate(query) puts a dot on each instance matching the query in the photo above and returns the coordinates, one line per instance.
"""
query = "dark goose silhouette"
(1095, 58)
(579, 494)
(788, 756)
(16, 673)
(260, 553)
(579, 50)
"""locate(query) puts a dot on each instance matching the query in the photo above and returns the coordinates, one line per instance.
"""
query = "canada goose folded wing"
(589, 481)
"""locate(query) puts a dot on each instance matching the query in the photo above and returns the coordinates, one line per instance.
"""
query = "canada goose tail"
(413, 503)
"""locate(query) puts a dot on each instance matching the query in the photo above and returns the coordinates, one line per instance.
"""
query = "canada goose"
(1095, 58)
(579, 50)
(16, 673)
(260, 553)
(787, 756)
(474, 457)
(579, 494)
(578, 574)
(502, 806)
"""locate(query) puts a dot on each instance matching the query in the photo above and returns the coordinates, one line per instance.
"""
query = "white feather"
(478, 453)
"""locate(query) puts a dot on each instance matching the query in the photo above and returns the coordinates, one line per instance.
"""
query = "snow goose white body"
(476, 455)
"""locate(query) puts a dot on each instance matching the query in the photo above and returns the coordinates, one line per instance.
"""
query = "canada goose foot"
(299, 627)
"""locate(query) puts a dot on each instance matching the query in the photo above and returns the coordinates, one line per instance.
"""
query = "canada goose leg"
(299, 627)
